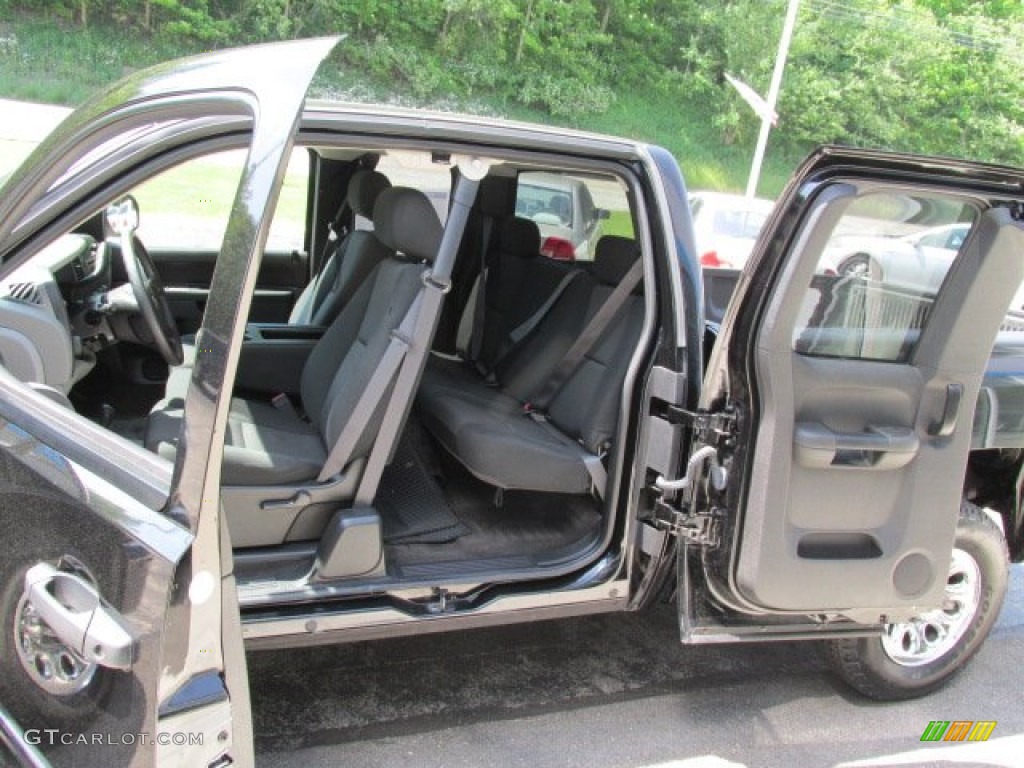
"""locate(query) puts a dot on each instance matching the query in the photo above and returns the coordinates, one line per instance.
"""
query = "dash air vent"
(25, 292)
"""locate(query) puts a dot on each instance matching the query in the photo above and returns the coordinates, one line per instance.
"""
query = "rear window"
(573, 212)
(743, 224)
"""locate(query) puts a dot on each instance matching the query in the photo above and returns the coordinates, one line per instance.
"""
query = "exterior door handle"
(79, 617)
(944, 426)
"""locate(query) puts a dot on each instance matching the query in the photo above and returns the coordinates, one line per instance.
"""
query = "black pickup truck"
(281, 372)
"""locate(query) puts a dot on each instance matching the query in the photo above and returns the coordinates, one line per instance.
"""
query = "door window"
(879, 274)
(186, 208)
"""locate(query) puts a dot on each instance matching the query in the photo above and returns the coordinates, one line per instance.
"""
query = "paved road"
(24, 125)
(615, 691)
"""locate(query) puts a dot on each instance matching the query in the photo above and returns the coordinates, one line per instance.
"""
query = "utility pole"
(773, 96)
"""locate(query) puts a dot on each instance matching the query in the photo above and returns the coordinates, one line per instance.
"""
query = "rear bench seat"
(485, 424)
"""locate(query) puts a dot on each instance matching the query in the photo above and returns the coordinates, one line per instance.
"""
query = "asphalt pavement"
(23, 126)
(616, 690)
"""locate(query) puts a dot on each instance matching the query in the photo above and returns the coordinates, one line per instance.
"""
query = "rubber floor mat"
(411, 505)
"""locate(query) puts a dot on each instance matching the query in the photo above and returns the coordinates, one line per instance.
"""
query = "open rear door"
(843, 387)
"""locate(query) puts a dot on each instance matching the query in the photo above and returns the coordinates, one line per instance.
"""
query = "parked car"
(901, 258)
(418, 460)
(564, 210)
(726, 227)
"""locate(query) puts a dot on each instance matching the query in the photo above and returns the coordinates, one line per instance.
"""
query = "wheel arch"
(995, 480)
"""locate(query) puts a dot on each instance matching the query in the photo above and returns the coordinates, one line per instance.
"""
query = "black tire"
(864, 663)
(28, 703)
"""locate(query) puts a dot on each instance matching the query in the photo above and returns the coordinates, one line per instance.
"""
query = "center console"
(273, 355)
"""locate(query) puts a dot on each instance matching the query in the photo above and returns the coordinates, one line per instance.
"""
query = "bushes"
(929, 75)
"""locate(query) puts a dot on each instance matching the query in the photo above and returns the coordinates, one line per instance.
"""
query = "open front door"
(845, 381)
(120, 635)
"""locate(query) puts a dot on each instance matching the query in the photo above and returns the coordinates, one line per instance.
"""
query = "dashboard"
(52, 318)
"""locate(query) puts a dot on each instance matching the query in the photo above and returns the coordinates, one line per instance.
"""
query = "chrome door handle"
(79, 617)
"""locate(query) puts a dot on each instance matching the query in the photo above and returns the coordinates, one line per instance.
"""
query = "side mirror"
(603, 213)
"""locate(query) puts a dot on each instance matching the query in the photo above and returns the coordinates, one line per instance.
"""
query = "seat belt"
(592, 462)
(436, 284)
(376, 388)
(337, 234)
(586, 340)
(476, 336)
(526, 327)
(336, 231)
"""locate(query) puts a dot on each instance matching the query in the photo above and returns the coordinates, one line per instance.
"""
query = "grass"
(618, 223)
(46, 62)
(175, 216)
(684, 130)
(59, 64)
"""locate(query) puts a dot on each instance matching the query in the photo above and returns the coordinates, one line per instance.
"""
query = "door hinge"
(708, 428)
(701, 528)
(682, 517)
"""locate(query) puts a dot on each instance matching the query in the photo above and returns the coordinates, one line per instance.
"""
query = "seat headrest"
(613, 258)
(363, 190)
(405, 220)
(496, 196)
(520, 237)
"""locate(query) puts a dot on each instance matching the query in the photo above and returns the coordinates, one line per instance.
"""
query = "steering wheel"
(149, 295)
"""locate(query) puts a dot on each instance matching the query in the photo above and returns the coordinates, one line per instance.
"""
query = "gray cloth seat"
(518, 281)
(265, 445)
(489, 430)
(340, 276)
(349, 264)
(261, 442)
(518, 284)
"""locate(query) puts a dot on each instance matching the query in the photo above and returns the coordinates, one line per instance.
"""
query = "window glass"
(878, 276)
(416, 169)
(186, 208)
(738, 223)
(573, 212)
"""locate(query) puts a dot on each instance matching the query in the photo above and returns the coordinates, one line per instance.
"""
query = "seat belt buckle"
(282, 402)
(533, 413)
(444, 285)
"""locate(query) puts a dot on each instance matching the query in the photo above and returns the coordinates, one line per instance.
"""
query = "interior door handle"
(79, 617)
(879, 448)
(944, 426)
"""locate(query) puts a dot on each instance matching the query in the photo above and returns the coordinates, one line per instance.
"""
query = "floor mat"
(411, 505)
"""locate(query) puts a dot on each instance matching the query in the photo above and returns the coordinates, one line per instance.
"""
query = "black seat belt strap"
(336, 230)
(586, 340)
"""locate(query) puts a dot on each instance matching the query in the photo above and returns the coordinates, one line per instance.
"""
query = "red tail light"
(710, 259)
(558, 248)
